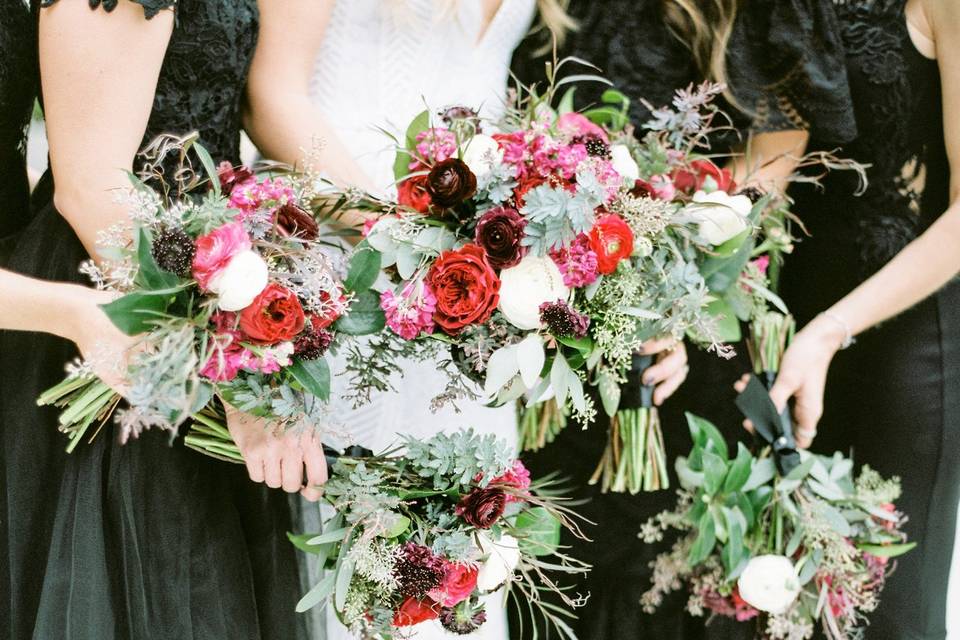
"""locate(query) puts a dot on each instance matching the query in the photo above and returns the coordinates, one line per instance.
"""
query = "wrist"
(829, 333)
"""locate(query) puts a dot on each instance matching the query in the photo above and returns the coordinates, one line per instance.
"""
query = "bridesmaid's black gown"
(144, 541)
(893, 397)
(786, 68)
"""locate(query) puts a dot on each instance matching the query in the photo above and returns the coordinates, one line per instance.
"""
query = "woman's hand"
(670, 370)
(803, 376)
(101, 343)
(279, 460)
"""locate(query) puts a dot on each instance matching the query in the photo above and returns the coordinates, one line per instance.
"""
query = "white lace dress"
(383, 62)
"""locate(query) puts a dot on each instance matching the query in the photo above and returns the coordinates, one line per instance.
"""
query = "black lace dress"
(145, 541)
(894, 397)
(785, 67)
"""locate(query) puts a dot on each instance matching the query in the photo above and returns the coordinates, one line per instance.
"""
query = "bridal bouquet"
(785, 538)
(420, 537)
(545, 252)
(231, 294)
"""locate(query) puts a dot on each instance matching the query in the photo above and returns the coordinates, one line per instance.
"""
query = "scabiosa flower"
(563, 321)
(418, 570)
(174, 250)
(411, 312)
(577, 263)
(312, 344)
(459, 112)
(465, 618)
(596, 147)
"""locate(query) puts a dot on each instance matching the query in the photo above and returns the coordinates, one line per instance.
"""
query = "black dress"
(786, 69)
(144, 541)
(894, 397)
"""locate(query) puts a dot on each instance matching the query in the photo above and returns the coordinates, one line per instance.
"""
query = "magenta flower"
(577, 263)
(411, 312)
(216, 249)
(433, 146)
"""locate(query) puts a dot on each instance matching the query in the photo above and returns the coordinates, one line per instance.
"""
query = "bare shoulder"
(943, 16)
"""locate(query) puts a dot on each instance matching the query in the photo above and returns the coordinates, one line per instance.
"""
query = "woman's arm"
(770, 159)
(281, 118)
(922, 268)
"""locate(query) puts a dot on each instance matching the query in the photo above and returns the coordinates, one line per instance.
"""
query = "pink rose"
(216, 249)
(459, 581)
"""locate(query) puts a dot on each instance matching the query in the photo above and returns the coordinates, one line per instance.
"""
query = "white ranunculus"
(482, 154)
(242, 280)
(720, 216)
(523, 288)
(769, 583)
(502, 557)
(623, 163)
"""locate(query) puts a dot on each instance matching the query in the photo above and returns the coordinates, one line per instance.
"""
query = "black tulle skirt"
(148, 540)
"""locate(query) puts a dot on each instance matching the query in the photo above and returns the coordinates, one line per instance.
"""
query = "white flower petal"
(530, 357)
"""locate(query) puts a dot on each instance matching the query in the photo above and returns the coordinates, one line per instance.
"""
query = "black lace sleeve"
(150, 7)
(787, 69)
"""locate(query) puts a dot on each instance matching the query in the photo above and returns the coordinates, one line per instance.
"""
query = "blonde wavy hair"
(705, 27)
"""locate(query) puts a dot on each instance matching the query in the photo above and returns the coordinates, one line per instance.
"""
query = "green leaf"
(584, 345)
(704, 433)
(149, 275)
(721, 273)
(740, 470)
(419, 124)
(727, 322)
(333, 535)
(208, 165)
(706, 538)
(364, 316)
(344, 577)
(836, 520)
(763, 471)
(566, 102)
(318, 593)
(887, 551)
(137, 312)
(802, 470)
(689, 479)
(714, 469)
(364, 268)
(402, 524)
(540, 532)
(313, 375)
(302, 541)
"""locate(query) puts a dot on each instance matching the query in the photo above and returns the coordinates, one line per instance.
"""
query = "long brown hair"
(705, 27)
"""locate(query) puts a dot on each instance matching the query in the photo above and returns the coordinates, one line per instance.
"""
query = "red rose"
(414, 611)
(612, 240)
(691, 178)
(466, 288)
(274, 316)
(413, 193)
(459, 581)
(482, 507)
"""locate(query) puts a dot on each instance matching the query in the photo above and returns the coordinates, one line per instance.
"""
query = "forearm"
(38, 305)
(770, 160)
(922, 268)
(93, 205)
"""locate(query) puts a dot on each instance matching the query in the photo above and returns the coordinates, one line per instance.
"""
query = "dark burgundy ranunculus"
(499, 233)
(231, 176)
(296, 221)
(450, 183)
(482, 507)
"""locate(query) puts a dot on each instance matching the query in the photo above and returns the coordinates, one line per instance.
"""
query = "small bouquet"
(233, 296)
(546, 251)
(422, 536)
(785, 538)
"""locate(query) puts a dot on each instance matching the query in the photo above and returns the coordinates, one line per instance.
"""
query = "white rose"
(623, 163)
(523, 288)
(769, 583)
(503, 556)
(242, 280)
(481, 154)
(720, 215)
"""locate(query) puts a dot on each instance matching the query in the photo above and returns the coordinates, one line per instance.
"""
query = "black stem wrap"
(355, 451)
(775, 428)
(634, 394)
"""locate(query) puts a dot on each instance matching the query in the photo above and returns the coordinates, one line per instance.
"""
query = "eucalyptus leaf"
(320, 592)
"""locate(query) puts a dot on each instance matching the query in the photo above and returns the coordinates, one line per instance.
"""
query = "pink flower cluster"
(411, 312)
(518, 477)
(732, 606)
(252, 195)
(433, 146)
(229, 357)
(577, 263)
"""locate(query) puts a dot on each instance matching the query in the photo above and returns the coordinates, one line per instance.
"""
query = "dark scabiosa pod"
(173, 250)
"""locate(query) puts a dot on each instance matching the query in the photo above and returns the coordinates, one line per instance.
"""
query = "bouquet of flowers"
(785, 538)
(232, 295)
(547, 252)
(422, 536)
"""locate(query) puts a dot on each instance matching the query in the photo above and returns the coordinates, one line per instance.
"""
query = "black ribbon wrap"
(634, 394)
(355, 451)
(775, 428)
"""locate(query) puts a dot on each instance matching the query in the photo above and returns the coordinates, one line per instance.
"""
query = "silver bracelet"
(848, 339)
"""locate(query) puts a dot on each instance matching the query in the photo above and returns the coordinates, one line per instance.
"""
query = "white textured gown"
(381, 63)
